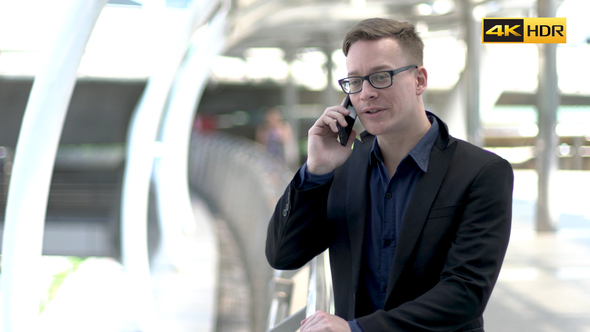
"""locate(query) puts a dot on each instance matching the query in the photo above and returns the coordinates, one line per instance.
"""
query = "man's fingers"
(331, 122)
(324, 151)
(309, 320)
(330, 118)
(337, 113)
(320, 127)
(323, 322)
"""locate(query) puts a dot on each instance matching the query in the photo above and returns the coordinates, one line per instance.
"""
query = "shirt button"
(388, 195)
(387, 242)
(385, 288)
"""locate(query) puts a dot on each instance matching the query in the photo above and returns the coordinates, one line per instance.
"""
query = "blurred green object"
(58, 279)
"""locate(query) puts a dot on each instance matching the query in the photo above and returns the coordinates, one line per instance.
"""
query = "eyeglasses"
(379, 80)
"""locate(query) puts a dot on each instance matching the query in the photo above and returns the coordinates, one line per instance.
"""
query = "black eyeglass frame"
(366, 78)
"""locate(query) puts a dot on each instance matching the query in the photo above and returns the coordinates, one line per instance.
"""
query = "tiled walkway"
(544, 285)
(186, 293)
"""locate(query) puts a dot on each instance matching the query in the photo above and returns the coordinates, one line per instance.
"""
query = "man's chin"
(370, 128)
(374, 130)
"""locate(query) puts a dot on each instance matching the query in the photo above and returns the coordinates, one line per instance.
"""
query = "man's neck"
(395, 146)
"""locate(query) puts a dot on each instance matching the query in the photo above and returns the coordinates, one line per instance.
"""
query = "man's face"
(393, 110)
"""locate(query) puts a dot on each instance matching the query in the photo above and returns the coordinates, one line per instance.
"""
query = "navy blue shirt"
(388, 203)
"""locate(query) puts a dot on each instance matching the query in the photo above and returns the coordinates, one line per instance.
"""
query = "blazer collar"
(357, 194)
(421, 202)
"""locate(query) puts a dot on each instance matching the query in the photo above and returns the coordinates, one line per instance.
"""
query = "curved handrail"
(240, 180)
(320, 296)
(243, 183)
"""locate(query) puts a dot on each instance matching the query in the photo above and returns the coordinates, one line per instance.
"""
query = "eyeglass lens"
(379, 80)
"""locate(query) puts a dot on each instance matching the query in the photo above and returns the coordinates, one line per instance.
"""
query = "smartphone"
(344, 132)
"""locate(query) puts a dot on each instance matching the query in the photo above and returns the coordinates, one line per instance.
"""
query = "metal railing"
(319, 296)
(244, 183)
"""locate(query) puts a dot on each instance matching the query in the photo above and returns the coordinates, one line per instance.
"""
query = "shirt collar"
(420, 153)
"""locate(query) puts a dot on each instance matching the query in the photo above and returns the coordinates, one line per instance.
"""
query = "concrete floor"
(544, 285)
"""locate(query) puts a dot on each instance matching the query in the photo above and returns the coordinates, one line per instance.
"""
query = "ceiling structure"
(290, 24)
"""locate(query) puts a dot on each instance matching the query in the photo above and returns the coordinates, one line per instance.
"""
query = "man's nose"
(368, 91)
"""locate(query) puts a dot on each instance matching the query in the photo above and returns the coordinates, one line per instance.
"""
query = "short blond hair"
(377, 28)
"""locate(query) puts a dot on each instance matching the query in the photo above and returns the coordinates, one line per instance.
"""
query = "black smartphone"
(344, 132)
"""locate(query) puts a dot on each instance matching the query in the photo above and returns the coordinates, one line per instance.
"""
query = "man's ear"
(421, 80)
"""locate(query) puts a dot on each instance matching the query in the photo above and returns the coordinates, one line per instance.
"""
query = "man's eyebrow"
(372, 70)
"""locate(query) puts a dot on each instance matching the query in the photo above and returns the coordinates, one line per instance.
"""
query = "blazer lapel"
(357, 196)
(417, 211)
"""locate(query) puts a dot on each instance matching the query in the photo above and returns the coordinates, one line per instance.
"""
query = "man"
(417, 222)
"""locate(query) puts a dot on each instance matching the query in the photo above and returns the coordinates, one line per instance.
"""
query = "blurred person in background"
(276, 134)
(417, 221)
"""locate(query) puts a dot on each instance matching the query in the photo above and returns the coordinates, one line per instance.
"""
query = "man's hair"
(377, 28)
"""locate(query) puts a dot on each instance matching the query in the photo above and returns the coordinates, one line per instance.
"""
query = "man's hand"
(323, 322)
(324, 152)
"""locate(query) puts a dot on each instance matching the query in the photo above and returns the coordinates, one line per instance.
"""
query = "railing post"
(318, 297)
(280, 303)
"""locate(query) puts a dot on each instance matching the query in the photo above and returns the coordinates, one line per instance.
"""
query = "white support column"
(472, 69)
(290, 100)
(33, 165)
(171, 169)
(547, 141)
(331, 96)
(142, 133)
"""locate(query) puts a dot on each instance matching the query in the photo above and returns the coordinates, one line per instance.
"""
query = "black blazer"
(450, 248)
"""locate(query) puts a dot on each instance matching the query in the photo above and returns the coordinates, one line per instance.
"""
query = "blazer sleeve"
(298, 229)
(472, 263)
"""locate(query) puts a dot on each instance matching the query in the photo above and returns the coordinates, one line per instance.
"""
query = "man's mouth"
(374, 111)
